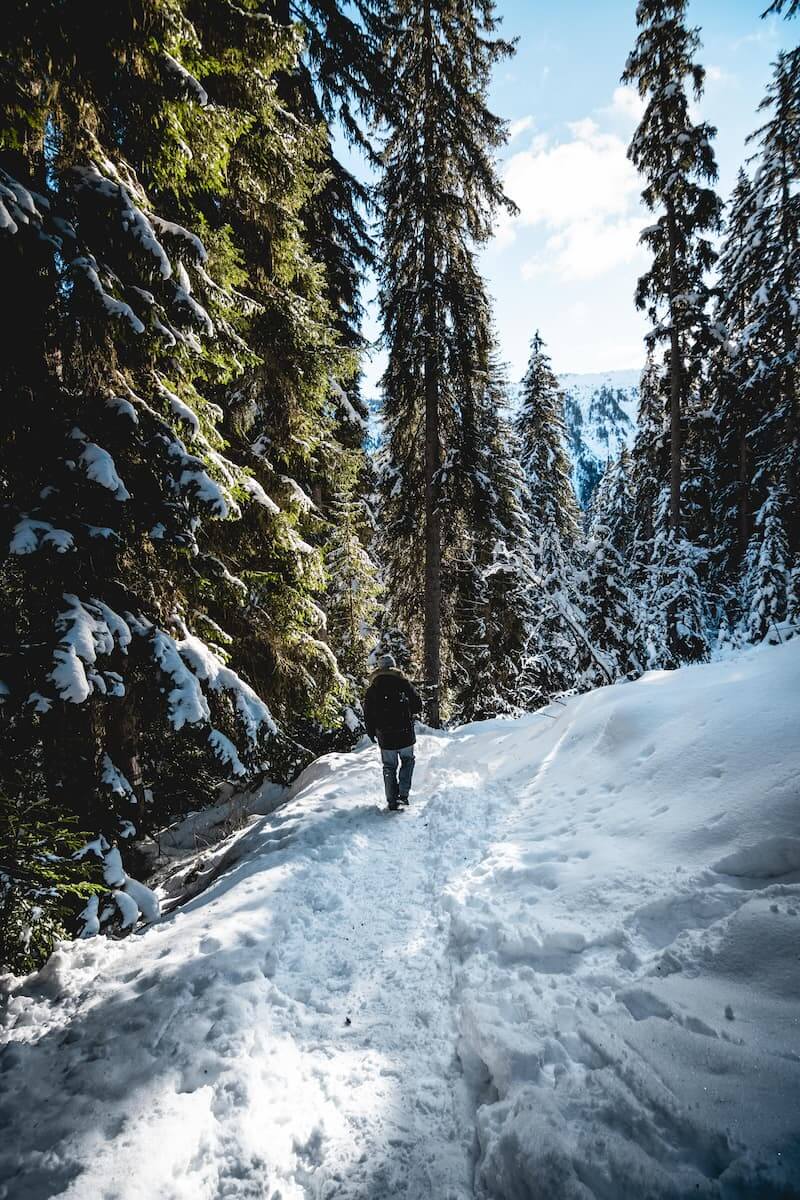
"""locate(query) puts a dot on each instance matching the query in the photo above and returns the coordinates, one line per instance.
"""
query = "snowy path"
(569, 972)
(304, 1043)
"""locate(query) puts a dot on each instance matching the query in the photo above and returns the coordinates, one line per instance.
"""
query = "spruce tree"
(793, 598)
(773, 329)
(113, 463)
(676, 614)
(766, 574)
(291, 422)
(171, 396)
(494, 612)
(675, 156)
(649, 468)
(439, 190)
(352, 589)
(540, 429)
(734, 402)
(609, 611)
(611, 506)
(552, 665)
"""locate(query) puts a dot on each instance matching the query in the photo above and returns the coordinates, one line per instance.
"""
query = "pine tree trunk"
(674, 383)
(122, 740)
(433, 526)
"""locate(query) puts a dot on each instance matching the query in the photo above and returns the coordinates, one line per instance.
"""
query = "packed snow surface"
(569, 971)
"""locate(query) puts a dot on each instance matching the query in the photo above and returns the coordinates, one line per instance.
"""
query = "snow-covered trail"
(291, 1032)
(569, 972)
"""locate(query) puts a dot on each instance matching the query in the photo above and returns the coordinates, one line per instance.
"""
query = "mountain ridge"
(600, 420)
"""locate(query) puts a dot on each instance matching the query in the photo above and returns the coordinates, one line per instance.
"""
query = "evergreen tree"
(112, 460)
(439, 190)
(351, 602)
(773, 329)
(494, 606)
(766, 577)
(339, 77)
(676, 619)
(292, 424)
(540, 429)
(172, 404)
(676, 157)
(552, 665)
(649, 470)
(608, 607)
(611, 507)
(738, 269)
(793, 597)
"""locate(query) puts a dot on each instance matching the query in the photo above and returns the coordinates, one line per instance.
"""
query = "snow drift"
(570, 971)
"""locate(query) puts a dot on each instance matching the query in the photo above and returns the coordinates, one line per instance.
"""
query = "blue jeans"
(391, 758)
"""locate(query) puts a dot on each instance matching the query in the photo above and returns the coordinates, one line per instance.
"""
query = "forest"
(211, 532)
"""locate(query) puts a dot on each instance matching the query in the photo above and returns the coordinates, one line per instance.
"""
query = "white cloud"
(626, 103)
(589, 248)
(583, 193)
(589, 175)
(518, 127)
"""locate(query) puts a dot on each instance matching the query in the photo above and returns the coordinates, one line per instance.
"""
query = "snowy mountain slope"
(600, 417)
(580, 942)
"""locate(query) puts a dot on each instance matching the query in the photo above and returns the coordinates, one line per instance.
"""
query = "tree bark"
(433, 449)
(122, 736)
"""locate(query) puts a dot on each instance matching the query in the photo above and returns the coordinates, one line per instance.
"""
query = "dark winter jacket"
(390, 705)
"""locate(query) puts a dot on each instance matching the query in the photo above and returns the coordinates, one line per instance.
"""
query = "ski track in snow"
(568, 972)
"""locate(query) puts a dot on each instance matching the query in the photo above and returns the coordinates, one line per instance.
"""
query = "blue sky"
(568, 264)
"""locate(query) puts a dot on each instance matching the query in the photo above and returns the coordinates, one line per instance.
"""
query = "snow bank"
(629, 972)
(580, 942)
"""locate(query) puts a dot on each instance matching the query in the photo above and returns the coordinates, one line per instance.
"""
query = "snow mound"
(767, 860)
(568, 972)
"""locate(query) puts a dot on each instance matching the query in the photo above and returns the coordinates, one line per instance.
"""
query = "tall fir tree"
(731, 368)
(649, 467)
(609, 612)
(554, 519)
(540, 429)
(676, 158)
(439, 191)
(773, 326)
(113, 461)
(172, 376)
(766, 576)
(494, 611)
(611, 505)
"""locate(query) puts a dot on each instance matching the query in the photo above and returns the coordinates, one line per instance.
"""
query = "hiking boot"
(404, 800)
(393, 806)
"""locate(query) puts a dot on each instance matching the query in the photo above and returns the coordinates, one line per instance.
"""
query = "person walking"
(390, 705)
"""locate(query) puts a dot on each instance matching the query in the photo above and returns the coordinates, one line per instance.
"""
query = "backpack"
(392, 706)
